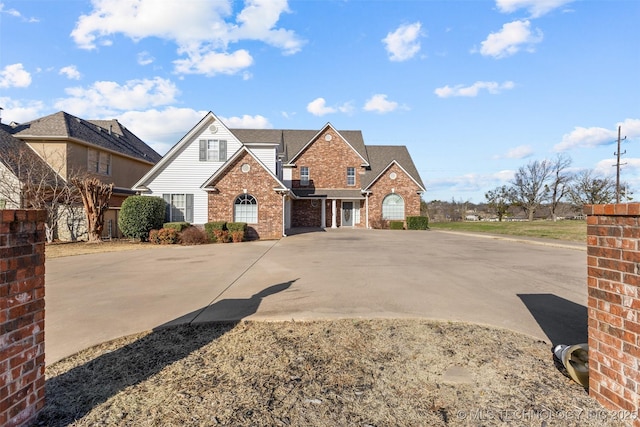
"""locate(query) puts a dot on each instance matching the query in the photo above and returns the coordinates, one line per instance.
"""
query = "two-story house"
(72, 146)
(276, 180)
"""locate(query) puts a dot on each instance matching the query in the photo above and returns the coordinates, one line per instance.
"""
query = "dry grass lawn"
(61, 249)
(329, 373)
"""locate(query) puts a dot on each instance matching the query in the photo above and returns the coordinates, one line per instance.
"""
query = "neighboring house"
(275, 180)
(72, 146)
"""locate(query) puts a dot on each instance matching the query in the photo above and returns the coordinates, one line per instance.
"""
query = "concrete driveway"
(534, 287)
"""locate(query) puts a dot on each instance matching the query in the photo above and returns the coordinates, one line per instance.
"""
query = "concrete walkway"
(535, 287)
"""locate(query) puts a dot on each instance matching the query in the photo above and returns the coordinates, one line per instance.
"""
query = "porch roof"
(328, 193)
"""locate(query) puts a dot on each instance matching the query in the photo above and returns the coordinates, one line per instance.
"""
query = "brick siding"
(613, 264)
(258, 183)
(328, 161)
(403, 185)
(21, 315)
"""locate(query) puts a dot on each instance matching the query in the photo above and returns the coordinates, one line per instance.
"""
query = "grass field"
(574, 230)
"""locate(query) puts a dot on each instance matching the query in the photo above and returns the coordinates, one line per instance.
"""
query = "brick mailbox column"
(21, 315)
(613, 263)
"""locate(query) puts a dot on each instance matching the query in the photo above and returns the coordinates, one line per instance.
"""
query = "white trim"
(373, 181)
(176, 149)
(323, 129)
(232, 159)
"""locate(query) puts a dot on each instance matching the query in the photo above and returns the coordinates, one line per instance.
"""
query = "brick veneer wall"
(258, 183)
(21, 315)
(613, 263)
(328, 161)
(403, 185)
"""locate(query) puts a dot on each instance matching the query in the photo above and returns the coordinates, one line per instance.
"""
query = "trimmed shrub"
(396, 225)
(417, 223)
(179, 226)
(236, 226)
(211, 227)
(193, 236)
(141, 214)
(164, 236)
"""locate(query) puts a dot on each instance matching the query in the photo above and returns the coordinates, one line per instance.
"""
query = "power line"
(618, 164)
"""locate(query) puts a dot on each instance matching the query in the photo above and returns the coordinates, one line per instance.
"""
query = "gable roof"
(356, 143)
(293, 141)
(381, 157)
(231, 160)
(15, 160)
(106, 134)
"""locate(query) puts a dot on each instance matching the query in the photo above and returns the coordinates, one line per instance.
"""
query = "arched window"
(245, 209)
(393, 207)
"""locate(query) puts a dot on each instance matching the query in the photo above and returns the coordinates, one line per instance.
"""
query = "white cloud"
(536, 8)
(145, 58)
(470, 183)
(106, 97)
(318, 107)
(473, 90)
(71, 72)
(596, 136)
(212, 63)
(380, 104)
(20, 111)
(202, 30)
(247, 122)
(16, 14)
(162, 129)
(14, 75)
(403, 43)
(519, 152)
(513, 37)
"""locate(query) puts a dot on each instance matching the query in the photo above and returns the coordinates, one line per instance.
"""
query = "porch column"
(334, 224)
(323, 214)
(366, 210)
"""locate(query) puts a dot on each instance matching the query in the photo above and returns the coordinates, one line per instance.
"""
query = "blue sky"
(474, 89)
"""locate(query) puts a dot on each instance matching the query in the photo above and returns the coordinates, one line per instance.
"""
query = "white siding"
(287, 173)
(185, 173)
(266, 155)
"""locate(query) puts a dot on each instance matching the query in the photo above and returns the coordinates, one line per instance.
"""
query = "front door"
(347, 214)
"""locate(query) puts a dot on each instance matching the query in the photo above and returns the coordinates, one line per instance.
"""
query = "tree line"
(540, 186)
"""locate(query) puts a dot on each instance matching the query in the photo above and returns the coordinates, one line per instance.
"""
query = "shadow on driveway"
(563, 321)
(71, 395)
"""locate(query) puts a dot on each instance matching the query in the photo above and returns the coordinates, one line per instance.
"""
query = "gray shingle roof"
(11, 157)
(108, 134)
(291, 141)
(381, 156)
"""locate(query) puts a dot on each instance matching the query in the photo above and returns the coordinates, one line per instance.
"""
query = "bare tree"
(559, 182)
(95, 198)
(589, 188)
(528, 186)
(28, 181)
(499, 200)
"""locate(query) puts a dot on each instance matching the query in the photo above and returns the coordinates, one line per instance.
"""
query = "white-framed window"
(98, 162)
(304, 175)
(393, 207)
(351, 176)
(179, 207)
(213, 150)
(245, 209)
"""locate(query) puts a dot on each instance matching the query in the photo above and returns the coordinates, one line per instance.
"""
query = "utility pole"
(618, 164)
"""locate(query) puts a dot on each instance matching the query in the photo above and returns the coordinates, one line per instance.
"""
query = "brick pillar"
(613, 263)
(21, 315)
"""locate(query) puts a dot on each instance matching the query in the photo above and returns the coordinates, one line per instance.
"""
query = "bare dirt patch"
(329, 373)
